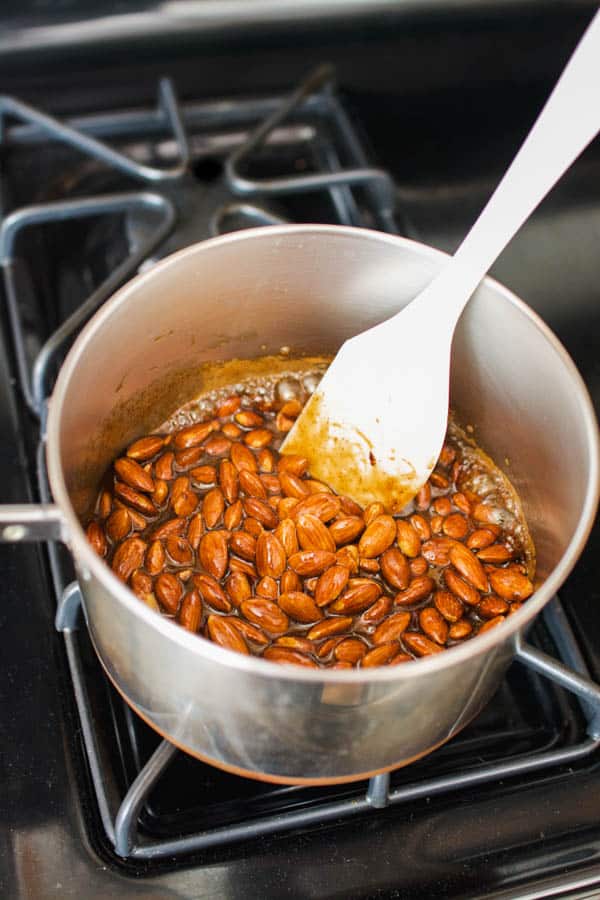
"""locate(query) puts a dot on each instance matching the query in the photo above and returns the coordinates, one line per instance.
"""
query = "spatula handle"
(568, 122)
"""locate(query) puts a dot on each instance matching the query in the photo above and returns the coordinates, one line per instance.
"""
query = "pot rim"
(91, 565)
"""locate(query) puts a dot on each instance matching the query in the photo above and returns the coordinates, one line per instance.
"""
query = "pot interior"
(308, 289)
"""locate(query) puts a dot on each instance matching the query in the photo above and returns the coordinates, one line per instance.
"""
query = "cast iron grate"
(298, 158)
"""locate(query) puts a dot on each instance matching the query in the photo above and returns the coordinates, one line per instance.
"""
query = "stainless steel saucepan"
(307, 288)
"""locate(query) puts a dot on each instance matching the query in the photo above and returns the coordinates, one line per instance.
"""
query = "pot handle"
(32, 522)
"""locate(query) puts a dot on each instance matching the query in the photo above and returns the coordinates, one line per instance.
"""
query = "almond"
(293, 642)
(372, 511)
(350, 650)
(379, 535)
(238, 588)
(146, 447)
(242, 458)
(286, 532)
(271, 484)
(192, 436)
(191, 612)
(205, 474)
(300, 606)
(247, 418)
(460, 630)
(408, 539)
(330, 626)
(265, 614)
(423, 498)
(190, 457)
(195, 530)
(169, 526)
(261, 511)
(251, 484)
(258, 438)
(331, 584)
(346, 529)
(461, 502)
(418, 566)
(491, 623)
(212, 592)
(465, 561)
(141, 583)
(492, 606)
(104, 504)
(128, 557)
(229, 406)
(420, 644)
(217, 445)
(242, 565)
(228, 480)
(436, 551)
(213, 553)
(421, 526)
(168, 588)
(221, 631)
(480, 539)
(233, 515)
(448, 605)
(97, 538)
(455, 526)
(183, 499)
(350, 508)
(311, 562)
(313, 534)
(270, 555)
(461, 589)
(348, 557)
(392, 628)
(160, 492)
(118, 525)
(249, 632)
(292, 485)
(434, 625)
(134, 499)
(291, 462)
(179, 550)
(265, 460)
(267, 587)
(395, 569)
(132, 474)
(495, 553)
(290, 581)
(377, 612)
(243, 544)
(323, 506)
(357, 597)
(510, 584)
(155, 558)
(213, 507)
(163, 467)
(379, 656)
(418, 589)
(285, 655)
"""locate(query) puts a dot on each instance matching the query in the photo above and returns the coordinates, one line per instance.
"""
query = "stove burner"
(297, 159)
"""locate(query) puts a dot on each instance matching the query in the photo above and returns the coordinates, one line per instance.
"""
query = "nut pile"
(212, 527)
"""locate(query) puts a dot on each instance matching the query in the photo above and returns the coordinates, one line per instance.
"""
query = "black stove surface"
(518, 836)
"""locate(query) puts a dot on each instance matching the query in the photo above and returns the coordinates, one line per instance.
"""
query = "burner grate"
(130, 767)
(338, 169)
(130, 818)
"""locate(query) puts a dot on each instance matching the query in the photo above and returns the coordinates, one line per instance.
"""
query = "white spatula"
(374, 428)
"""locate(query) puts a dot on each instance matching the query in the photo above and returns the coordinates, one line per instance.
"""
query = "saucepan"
(306, 289)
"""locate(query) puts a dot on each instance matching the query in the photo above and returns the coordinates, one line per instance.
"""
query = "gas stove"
(97, 182)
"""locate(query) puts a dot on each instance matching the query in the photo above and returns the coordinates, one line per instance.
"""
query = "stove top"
(95, 803)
